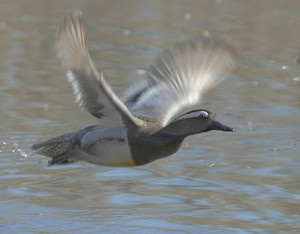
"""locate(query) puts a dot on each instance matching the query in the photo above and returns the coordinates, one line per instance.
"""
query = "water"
(247, 181)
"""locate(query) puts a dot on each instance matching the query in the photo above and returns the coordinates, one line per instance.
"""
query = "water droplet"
(21, 152)
(254, 83)
(188, 16)
(3, 25)
(206, 33)
(46, 107)
(250, 125)
(126, 32)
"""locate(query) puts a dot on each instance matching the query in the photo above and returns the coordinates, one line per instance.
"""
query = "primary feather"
(90, 89)
(179, 77)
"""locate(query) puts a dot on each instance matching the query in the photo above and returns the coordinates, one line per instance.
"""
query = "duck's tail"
(60, 148)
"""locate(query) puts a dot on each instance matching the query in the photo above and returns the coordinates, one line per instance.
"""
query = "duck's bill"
(215, 125)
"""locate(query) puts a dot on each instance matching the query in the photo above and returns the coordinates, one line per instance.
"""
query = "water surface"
(248, 181)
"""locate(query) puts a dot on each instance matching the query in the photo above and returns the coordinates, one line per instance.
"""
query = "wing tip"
(203, 43)
(71, 16)
(71, 40)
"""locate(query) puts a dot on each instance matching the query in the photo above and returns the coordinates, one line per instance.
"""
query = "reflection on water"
(248, 181)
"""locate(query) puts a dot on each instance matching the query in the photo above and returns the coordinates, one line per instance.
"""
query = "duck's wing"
(89, 87)
(179, 77)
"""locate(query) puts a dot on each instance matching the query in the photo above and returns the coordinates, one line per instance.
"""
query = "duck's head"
(196, 121)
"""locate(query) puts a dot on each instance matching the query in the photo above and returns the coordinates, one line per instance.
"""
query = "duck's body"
(146, 124)
(112, 146)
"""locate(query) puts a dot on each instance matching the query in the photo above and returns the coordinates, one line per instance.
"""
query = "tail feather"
(59, 148)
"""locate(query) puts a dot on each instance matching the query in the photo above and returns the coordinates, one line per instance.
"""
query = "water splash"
(22, 152)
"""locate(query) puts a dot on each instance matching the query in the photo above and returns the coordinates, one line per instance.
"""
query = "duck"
(152, 119)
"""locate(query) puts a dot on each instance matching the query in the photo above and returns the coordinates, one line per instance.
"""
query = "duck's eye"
(203, 114)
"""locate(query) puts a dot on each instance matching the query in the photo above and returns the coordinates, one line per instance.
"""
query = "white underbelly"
(108, 152)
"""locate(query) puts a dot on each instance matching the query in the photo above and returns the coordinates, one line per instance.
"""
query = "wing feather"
(90, 89)
(179, 77)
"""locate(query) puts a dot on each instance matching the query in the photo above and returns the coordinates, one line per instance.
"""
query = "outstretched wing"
(89, 87)
(179, 77)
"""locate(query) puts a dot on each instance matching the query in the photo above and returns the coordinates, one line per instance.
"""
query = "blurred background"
(248, 181)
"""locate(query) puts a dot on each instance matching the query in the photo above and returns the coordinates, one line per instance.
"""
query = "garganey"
(149, 121)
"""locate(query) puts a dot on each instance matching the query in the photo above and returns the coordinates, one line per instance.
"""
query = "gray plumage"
(149, 122)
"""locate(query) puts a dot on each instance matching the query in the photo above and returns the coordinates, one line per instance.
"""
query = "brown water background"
(217, 182)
